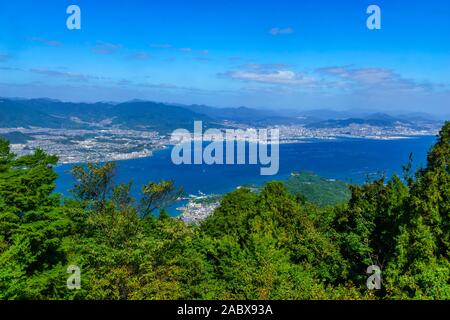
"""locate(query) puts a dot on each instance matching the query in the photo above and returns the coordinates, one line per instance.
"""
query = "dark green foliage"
(31, 228)
(312, 188)
(421, 267)
(267, 245)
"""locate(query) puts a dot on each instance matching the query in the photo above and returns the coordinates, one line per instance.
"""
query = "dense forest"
(256, 245)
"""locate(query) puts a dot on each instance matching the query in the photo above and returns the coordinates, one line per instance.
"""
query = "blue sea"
(350, 160)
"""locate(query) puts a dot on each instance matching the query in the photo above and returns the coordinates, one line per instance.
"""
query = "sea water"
(351, 160)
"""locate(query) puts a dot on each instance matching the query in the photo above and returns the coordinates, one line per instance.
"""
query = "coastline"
(350, 160)
(150, 153)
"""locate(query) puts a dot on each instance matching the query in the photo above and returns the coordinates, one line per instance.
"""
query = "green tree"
(31, 227)
(158, 196)
(421, 267)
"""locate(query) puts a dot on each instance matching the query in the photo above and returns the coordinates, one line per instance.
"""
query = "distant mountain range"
(165, 117)
(377, 120)
(134, 115)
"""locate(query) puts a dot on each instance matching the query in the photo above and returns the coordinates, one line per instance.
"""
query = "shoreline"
(152, 152)
(355, 176)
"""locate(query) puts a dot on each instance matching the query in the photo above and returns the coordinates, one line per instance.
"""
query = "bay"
(350, 160)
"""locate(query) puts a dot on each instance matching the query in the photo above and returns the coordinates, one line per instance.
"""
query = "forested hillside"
(128, 115)
(321, 191)
(266, 245)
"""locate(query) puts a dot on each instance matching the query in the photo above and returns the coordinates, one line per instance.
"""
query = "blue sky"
(263, 54)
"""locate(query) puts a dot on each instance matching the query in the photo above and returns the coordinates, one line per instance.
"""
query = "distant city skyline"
(260, 54)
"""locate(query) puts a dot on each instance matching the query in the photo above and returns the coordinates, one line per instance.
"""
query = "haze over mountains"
(164, 117)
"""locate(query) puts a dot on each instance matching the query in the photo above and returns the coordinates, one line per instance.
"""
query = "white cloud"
(4, 57)
(106, 48)
(161, 45)
(374, 78)
(51, 43)
(280, 31)
(275, 76)
(328, 79)
(283, 77)
(140, 56)
(74, 76)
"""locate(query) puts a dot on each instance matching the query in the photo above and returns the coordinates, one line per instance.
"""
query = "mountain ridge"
(164, 117)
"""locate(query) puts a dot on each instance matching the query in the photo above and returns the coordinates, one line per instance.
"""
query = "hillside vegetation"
(132, 115)
(316, 189)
